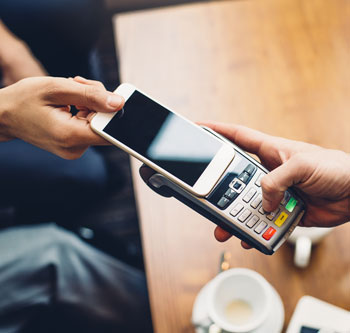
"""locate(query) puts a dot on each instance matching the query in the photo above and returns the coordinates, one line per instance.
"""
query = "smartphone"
(165, 141)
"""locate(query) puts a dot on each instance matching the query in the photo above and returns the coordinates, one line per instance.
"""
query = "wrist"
(5, 116)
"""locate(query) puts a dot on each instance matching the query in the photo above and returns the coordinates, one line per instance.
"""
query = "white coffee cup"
(239, 300)
(304, 238)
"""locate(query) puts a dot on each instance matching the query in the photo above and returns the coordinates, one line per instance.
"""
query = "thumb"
(93, 97)
(275, 183)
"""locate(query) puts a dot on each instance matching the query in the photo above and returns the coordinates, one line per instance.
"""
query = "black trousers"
(50, 281)
(44, 187)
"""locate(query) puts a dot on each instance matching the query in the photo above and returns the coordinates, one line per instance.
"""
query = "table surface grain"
(280, 66)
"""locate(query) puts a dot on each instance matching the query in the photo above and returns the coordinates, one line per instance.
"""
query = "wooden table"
(280, 66)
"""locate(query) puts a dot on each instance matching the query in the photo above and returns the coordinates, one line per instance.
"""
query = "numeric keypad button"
(261, 210)
(249, 195)
(258, 180)
(244, 215)
(257, 201)
(252, 221)
(236, 209)
(260, 227)
(273, 214)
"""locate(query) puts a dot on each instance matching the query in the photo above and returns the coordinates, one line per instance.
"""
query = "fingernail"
(114, 101)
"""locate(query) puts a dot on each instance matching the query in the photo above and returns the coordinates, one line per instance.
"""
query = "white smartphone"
(165, 141)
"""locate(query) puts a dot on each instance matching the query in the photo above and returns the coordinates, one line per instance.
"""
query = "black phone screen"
(171, 142)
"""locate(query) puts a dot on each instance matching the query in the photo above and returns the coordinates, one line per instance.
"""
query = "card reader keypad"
(239, 195)
(247, 206)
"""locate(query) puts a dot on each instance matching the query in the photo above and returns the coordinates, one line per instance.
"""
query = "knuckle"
(91, 93)
(29, 82)
(303, 163)
(51, 88)
(64, 138)
(50, 83)
(98, 84)
(299, 159)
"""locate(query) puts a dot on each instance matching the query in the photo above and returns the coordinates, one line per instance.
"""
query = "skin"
(36, 110)
(321, 176)
(16, 60)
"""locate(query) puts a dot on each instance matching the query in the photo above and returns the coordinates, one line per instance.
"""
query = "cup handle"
(213, 328)
(302, 251)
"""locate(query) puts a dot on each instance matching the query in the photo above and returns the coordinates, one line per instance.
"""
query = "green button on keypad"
(291, 204)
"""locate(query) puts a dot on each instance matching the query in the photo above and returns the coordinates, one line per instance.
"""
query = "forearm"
(16, 59)
(9, 45)
(6, 36)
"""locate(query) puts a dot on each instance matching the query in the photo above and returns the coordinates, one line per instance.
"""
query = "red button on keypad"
(269, 233)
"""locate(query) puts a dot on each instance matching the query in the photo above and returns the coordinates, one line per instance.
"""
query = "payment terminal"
(235, 203)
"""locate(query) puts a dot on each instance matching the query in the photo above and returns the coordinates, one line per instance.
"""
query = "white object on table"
(304, 238)
(202, 322)
(315, 313)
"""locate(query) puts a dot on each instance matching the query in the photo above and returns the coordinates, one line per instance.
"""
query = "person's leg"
(53, 282)
(42, 186)
(61, 33)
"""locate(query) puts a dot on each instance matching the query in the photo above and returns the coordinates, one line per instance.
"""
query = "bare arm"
(16, 60)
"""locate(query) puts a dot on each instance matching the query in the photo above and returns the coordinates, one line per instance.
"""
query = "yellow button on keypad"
(281, 219)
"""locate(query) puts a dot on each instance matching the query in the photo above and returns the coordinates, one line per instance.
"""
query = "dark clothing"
(50, 281)
(44, 187)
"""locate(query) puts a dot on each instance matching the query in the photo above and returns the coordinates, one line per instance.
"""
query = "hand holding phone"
(165, 141)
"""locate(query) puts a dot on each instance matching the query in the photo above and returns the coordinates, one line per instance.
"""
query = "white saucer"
(274, 323)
